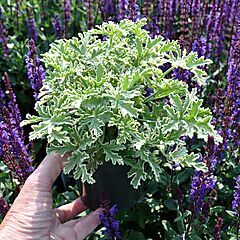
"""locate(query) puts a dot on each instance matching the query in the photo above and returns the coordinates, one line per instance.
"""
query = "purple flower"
(14, 154)
(236, 198)
(155, 27)
(202, 184)
(196, 18)
(58, 29)
(13, 149)
(148, 92)
(168, 11)
(67, 16)
(3, 39)
(89, 8)
(3, 207)
(11, 103)
(184, 29)
(228, 117)
(36, 73)
(146, 8)
(133, 10)
(107, 217)
(217, 229)
(122, 9)
(108, 9)
(32, 28)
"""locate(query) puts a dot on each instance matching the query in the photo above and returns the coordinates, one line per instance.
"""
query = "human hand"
(32, 216)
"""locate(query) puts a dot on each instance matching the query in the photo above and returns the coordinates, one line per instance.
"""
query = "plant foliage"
(94, 103)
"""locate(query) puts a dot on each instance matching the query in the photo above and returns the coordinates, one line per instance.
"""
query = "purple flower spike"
(201, 185)
(236, 198)
(67, 15)
(3, 207)
(89, 9)
(133, 9)
(107, 217)
(184, 30)
(13, 150)
(217, 229)
(122, 8)
(32, 28)
(4, 39)
(196, 17)
(58, 29)
(36, 73)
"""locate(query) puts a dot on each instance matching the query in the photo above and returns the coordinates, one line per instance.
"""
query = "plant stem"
(167, 72)
(147, 99)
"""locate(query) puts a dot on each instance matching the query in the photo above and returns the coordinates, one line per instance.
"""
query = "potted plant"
(109, 99)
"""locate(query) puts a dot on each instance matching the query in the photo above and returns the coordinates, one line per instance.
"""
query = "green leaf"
(137, 174)
(169, 87)
(76, 159)
(30, 120)
(146, 156)
(136, 235)
(194, 236)
(230, 213)
(111, 150)
(183, 176)
(99, 72)
(127, 108)
(171, 204)
(169, 232)
(66, 148)
(81, 171)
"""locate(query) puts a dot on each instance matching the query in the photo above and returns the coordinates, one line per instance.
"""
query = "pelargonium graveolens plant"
(93, 102)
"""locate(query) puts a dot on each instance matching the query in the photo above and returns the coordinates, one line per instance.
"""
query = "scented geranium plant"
(108, 96)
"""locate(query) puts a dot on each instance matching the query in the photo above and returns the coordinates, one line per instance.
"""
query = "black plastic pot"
(111, 184)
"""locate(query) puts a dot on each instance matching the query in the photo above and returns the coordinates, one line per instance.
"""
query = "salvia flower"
(236, 198)
(146, 8)
(32, 27)
(217, 229)
(3, 207)
(155, 27)
(168, 12)
(107, 217)
(184, 30)
(89, 9)
(3, 39)
(122, 9)
(66, 13)
(202, 184)
(14, 152)
(196, 18)
(230, 126)
(58, 29)
(11, 103)
(133, 8)
(36, 73)
(108, 8)
(13, 149)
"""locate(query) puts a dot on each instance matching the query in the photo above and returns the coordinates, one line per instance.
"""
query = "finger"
(87, 224)
(71, 223)
(47, 171)
(70, 210)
